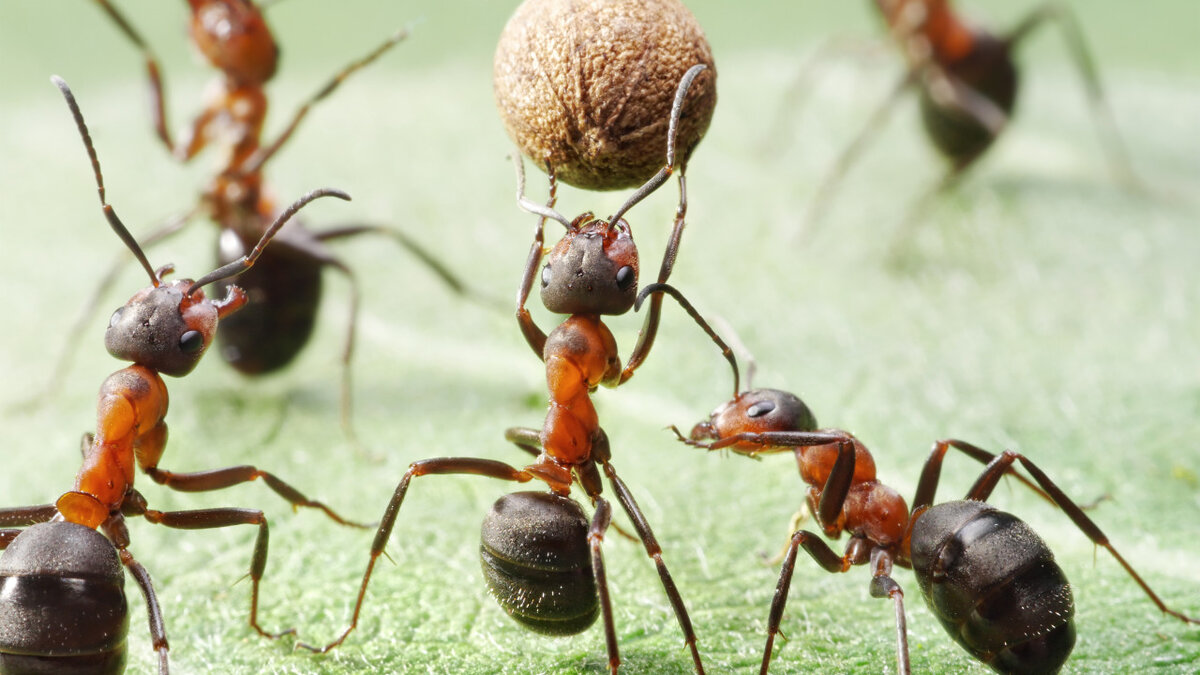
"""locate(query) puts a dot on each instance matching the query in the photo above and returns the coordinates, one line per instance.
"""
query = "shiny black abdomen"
(995, 587)
(284, 289)
(62, 603)
(537, 562)
(989, 70)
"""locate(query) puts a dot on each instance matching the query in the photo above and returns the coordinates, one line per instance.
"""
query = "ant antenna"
(247, 261)
(672, 129)
(109, 213)
(687, 307)
(545, 211)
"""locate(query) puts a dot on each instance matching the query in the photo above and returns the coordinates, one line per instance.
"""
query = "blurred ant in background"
(967, 83)
(988, 577)
(62, 607)
(542, 558)
(284, 288)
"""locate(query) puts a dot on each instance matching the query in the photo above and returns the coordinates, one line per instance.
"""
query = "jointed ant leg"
(158, 631)
(219, 479)
(841, 166)
(823, 555)
(601, 519)
(205, 519)
(1106, 125)
(440, 465)
(21, 516)
(655, 552)
(883, 586)
(255, 162)
(999, 466)
(931, 473)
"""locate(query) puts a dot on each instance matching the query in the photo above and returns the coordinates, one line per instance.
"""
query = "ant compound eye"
(191, 342)
(116, 317)
(625, 277)
(761, 408)
(545, 276)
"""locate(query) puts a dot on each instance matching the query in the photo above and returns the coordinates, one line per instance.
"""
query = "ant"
(62, 605)
(542, 558)
(988, 577)
(967, 83)
(284, 289)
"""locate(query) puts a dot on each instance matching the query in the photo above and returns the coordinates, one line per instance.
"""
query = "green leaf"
(1041, 306)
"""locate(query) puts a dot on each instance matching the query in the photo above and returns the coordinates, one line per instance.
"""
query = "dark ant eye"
(545, 276)
(116, 316)
(191, 342)
(624, 277)
(761, 408)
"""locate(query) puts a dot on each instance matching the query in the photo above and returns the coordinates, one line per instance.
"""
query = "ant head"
(592, 270)
(167, 327)
(757, 411)
(233, 36)
(163, 327)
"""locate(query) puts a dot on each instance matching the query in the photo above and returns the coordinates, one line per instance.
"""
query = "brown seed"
(588, 86)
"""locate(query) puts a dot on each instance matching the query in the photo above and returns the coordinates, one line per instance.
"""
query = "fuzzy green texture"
(1040, 307)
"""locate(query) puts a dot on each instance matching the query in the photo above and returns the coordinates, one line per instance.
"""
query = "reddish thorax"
(928, 30)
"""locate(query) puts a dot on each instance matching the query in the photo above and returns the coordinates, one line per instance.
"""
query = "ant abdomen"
(537, 562)
(284, 289)
(62, 603)
(989, 71)
(994, 585)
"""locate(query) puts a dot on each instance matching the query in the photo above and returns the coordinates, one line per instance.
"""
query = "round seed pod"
(588, 86)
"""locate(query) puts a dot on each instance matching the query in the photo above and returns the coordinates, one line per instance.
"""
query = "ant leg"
(655, 552)
(348, 352)
(439, 269)
(534, 335)
(601, 519)
(260, 157)
(650, 326)
(883, 586)
(439, 465)
(525, 438)
(158, 631)
(797, 93)
(7, 535)
(219, 479)
(931, 473)
(904, 229)
(933, 468)
(1106, 125)
(991, 476)
(153, 73)
(768, 441)
(27, 515)
(205, 519)
(824, 556)
(841, 166)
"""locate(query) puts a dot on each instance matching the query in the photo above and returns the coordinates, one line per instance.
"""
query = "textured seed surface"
(588, 86)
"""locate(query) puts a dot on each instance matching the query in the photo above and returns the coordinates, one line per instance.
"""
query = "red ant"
(284, 289)
(985, 574)
(62, 606)
(967, 82)
(542, 558)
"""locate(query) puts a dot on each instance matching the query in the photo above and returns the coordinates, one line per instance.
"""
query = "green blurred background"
(1040, 307)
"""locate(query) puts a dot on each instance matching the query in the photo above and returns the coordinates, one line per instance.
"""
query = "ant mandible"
(967, 82)
(541, 557)
(62, 561)
(284, 288)
(988, 577)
